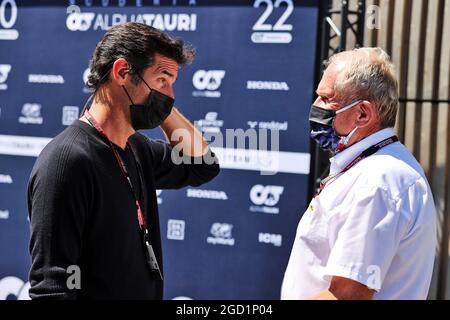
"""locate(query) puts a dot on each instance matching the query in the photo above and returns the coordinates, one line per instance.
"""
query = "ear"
(366, 115)
(120, 71)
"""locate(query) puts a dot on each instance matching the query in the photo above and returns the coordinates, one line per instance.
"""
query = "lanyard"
(142, 223)
(366, 153)
(152, 262)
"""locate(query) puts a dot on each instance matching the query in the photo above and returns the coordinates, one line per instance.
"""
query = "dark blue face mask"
(322, 131)
(324, 136)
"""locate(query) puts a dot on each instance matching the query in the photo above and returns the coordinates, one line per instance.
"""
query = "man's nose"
(169, 92)
(319, 102)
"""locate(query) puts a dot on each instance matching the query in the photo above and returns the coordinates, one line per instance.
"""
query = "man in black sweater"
(91, 194)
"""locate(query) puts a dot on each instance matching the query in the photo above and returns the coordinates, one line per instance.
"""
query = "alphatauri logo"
(86, 21)
(207, 83)
(265, 198)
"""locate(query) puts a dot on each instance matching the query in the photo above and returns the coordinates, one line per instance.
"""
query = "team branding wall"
(228, 239)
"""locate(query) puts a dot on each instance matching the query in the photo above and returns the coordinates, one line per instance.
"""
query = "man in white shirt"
(370, 233)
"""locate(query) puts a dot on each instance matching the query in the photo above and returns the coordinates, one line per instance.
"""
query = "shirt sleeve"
(178, 172)
(367, 239)
(58, 202)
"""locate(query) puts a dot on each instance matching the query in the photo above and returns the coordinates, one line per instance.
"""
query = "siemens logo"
(207, 194)
(267, 85)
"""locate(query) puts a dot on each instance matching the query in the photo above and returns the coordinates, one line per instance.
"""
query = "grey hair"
(368, 74)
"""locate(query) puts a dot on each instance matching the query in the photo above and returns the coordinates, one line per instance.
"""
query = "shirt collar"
(343, 158)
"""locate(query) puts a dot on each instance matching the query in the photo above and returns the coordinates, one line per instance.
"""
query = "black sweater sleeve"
(58, 203)
(173, 174)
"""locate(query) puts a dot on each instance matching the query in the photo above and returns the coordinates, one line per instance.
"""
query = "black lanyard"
(366, 153)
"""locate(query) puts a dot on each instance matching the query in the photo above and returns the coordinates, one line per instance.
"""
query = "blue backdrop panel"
(228, 239)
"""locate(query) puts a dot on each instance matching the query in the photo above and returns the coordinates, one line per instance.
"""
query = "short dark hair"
(137, 43)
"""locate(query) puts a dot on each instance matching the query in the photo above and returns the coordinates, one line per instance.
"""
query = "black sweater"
(82, 213)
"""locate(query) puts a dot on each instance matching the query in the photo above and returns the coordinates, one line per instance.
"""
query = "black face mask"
(153, 112)
(321, 115)
(322, 130)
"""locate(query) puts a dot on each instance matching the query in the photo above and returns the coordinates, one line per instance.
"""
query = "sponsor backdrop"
(254, 71)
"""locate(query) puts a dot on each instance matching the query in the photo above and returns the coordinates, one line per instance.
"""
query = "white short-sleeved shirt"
(375, 224)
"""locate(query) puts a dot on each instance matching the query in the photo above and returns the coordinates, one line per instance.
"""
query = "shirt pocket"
(313, 227)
